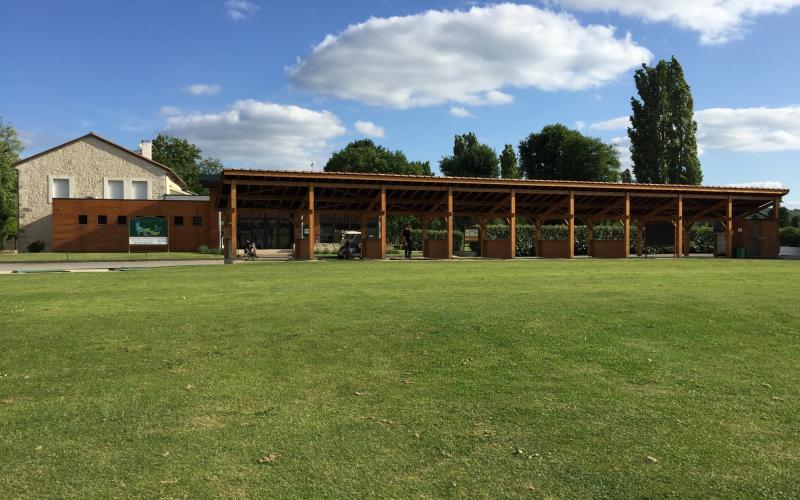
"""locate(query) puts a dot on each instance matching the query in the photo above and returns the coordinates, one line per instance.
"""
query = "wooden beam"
(571, 224)
(450, 223)
(537, 237)
(776, 208)
(626, 226)
(311, 222)
(640, 223)
(679, 228)
(482, 236)
(729, 228)
(589, 237)
(512, 225)
(383, 222)
(233, 223)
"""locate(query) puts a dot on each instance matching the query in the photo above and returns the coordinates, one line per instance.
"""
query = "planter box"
(498, 249)
(790, 251)
(553, 249)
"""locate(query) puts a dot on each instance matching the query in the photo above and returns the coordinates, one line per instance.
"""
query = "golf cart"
(351, 245)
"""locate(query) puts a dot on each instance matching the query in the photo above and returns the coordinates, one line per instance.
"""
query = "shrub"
(36, 246)
(790, 237)
(202, 249)
(436, 234)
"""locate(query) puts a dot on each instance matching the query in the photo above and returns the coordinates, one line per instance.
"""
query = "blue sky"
(257, 83)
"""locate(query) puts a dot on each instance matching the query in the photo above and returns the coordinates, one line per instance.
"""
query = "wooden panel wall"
(435, 249)
(69, 236)
(498, 249)
(553, 249)
(609, 249)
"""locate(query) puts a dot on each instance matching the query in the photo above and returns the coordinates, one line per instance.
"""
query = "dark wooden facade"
(303, 196)
(112, 236)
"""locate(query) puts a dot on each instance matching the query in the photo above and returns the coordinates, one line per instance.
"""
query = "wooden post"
(729, 228)
(686, 228)
(234, 222)
(364, 223)
(626, 226)
(571, 223)
(312, 237)
(482, 235)
(589, 236)
(449, 223)
(679, 228)
(537, 237)
(639, 232)
(425, 221)
(512, 226)
(776, 208)
(383, 223)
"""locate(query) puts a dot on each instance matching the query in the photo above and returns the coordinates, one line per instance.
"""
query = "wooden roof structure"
(303, 196)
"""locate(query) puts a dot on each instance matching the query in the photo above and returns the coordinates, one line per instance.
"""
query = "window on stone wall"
(139, 190)
(60, 188)
(83, 220)
(116, 189)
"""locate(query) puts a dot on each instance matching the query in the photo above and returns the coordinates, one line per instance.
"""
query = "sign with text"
(148, 231)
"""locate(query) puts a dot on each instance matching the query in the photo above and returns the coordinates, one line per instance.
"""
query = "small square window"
(102, 219)
(179, 220)
(197, 220)
(122, 220)
(83, 220)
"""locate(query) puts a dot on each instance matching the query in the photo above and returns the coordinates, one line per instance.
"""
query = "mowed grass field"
(404, 379)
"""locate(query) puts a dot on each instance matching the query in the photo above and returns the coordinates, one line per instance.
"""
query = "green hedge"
(790, 236)
(436, 234)
(701, 238)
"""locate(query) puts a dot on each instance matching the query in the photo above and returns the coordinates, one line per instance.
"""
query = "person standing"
(406, 237)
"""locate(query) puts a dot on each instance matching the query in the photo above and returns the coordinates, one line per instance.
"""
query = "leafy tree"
(10, 148)
(795, 222)
(663, 131)
(560, 153)
(626, 177)
(210, 166)
(365, 156)
(784, 217)
(509, 167)
(470, 159)
(181, 156)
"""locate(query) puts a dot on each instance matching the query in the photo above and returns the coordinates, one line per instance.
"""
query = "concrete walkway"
(7, 268)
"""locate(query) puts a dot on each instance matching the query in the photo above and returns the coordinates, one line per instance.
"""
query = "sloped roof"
(171, 173)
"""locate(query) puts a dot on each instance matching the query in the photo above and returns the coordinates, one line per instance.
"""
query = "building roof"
(171, 173)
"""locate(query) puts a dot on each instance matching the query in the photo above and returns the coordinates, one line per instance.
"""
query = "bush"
(202, 249)
(790, 237)
(436, 234)
(36, 246)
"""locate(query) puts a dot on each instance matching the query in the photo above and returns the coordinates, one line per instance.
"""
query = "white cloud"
(754, 130)
(749, 129)
(623, 146)
(170, 111)
(261, 134)
(580, 125)
(758, 184)
(369, 129)
(465, 57)
(791, 205)
(203, 89)
(460, 112)
(241, 9)
(717, 21)
(620, 123)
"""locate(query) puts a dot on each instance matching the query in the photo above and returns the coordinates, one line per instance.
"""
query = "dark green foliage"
(436, 234)
(36, 246)
(10, 149)
(701, 238)
(560, 153)
(626, 177)
(795, 222)
(790, 236)
(470, 159)
(181, 156)
(663, 130)
(509, 167)
(784, 218)
(365, 156)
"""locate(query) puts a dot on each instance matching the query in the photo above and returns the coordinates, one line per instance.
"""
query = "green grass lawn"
(404, 379)
(103, 257)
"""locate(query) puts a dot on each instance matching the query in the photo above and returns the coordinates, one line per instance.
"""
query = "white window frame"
(149, 188)
(107, 189)
(51, 188)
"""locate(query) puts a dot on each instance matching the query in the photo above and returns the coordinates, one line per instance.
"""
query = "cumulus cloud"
(460, 112)
(203, 89)
(261, 134)
(754, 130)
(170, 111)
(717, 21)
(623, 146)
(465, 57)
(369, 129)
(241, 9)
(623, 122)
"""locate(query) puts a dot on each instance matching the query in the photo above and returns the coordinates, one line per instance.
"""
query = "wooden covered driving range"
(303, 197)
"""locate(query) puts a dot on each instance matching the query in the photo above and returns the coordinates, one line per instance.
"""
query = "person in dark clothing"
(406, 237)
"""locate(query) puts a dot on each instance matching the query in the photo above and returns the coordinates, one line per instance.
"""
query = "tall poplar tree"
(663, 131)
(509, 167)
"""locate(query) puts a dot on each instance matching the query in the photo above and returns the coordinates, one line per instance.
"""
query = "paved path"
(6, 268)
